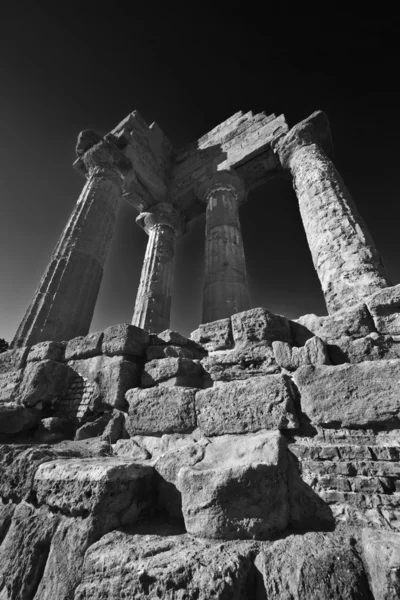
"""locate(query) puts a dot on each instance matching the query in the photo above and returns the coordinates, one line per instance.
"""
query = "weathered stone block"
(259, 324)
(113, 488)
(314, 352)
(13, 360)
(351, 395)
(245, 406)
(164, 566)
(130, 449)
(162, 369)
(43, 382)
(113, 375)
(382, 558)
(15, 417)
(243, 362)
(125, 339)
(154, 352)
(9, 384)
(353, 322)
(93, 428)
(384, 307)
(84, 346)
(238, 490)
(160, 410)
(47, 351)
(216, 335)
(54, 429)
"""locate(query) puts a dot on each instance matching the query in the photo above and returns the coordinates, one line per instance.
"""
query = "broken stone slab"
(12, 360)
(314, 565)
(154, 352)
(125, 340)
(384, 307)
(216, 335)
(130, 449)
(314, 352)
(160, 410)
(242, 362)
(94, 428)
(239, 489)
(382, 558)
(84, 346)
(165, 566)
(351, 395)
(259, 324)
(353, 322)
(157, 445)
(247, 406)
(115, 428)
(112, 374)
(47, 351)
(371, 347)
(113, 489)
(163, 369)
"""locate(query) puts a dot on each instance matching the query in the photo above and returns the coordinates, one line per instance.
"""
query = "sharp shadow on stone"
(156, 523)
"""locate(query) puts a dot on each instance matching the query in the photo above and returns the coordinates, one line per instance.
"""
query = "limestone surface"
(259, 324)
(384, 307)
(247, 406)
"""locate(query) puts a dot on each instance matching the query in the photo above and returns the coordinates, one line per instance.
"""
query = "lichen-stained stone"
(239, 489)
(259, 324)
(47, 351)
(366, 394)
(353, 322)
(242, 362)
(216, 335)
(384, 307)
(169, 567)
(15, 417)
(314, 352)
(12, 360)
(382, 558)
(314, 566)
(112, 488)
(112, 374)
(245, 406)
(42, 382)
(84, 346)
(160, 410)
(162, 369)
(125, 340)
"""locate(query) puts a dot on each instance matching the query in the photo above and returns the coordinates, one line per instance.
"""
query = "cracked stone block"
(259, 324)
(84, 346)
(47, 351)
(384, 307)
(216, 335)
(125, 340)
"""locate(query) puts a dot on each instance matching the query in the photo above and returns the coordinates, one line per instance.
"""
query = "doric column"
(345, 257)
(63, 305)
(153, 301)
(225, 287)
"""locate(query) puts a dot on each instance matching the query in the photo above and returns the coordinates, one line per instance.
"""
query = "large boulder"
(259, 324)
(160, 410)
(168, 567)
(47, 351)
(313, 566)
(351, 395)
(239, 490)
(43, 382)
(84, 346)
(125, 340)
(247, 406)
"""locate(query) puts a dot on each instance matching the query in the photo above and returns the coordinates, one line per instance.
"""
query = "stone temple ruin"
(259, 459)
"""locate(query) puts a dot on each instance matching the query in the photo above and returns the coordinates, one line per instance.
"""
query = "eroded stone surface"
(384, 307)
(160, 410)
(47, 351)
(314, 352)
(242, 362)
(216, 335)
(239, 489)
(125, 340)
(244, 406)
(162, 369)
(84, 346)
(351, 395)
(382, 557)
(259, 324)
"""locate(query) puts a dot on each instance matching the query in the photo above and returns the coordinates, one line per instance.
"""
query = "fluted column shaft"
(64, 302)
(345, 257)
(225, 286)
(153, 301)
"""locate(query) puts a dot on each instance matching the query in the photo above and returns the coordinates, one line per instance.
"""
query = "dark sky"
(62, 71)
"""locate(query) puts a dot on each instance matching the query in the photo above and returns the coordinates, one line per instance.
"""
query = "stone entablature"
(213, 175)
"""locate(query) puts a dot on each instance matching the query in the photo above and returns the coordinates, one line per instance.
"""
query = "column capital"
(162, 213)
(222, 181)
(98, 155)
(312, 131)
